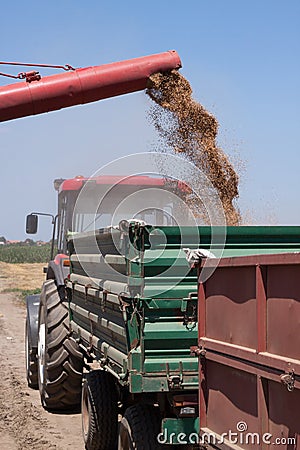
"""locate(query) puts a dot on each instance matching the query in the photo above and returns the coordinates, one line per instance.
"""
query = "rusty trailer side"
(249, 353)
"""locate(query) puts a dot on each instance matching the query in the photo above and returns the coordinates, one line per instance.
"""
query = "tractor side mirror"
(31, 224)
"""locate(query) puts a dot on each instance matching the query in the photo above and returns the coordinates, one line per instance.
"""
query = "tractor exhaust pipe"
(81, 86)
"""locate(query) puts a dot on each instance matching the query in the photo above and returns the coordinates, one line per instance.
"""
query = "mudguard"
(56, 270)
(32, 304)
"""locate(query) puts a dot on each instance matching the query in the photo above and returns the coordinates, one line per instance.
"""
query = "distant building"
(40, 243)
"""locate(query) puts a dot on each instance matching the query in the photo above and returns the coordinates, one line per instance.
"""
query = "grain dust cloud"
(188, 129)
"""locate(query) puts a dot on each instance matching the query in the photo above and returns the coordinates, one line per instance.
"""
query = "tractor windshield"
(102, 207)
(97, 205)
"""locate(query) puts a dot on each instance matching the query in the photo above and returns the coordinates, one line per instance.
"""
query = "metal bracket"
(33, 75)
(123, 303)
(90, 347)
(103, 301)
(175, 381)
(86, 288)
(288, 379)
(123, 306)
(198, 351)
(190, 317)
(136, 310)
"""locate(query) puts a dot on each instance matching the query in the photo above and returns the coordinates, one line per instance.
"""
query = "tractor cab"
(87, 204)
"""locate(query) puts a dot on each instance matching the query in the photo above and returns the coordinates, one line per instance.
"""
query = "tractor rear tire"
(60, 361)
(99, 410)
(139, 428)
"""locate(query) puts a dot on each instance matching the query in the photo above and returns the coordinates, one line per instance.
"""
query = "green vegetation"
(24, 253)
(22, 293)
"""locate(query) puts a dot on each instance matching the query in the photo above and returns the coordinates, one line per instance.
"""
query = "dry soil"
(24, 424)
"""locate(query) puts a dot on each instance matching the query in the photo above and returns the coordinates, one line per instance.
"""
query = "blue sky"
(241, 57)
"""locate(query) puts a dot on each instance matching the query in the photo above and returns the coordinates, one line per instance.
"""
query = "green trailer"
(133, 309)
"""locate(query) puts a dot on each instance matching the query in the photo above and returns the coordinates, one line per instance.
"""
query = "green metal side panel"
(133, 296)
(183, 431)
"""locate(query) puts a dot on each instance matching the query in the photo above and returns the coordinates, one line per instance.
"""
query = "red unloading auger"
(39, 95)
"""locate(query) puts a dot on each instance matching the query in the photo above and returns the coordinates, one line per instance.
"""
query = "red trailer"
(249, 353)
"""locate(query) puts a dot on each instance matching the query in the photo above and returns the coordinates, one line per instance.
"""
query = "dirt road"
(24, 424)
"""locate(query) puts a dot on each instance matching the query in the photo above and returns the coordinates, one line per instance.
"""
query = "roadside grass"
(21, 278)
(21, 293)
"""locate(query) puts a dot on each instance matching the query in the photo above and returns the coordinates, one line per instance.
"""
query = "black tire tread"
(63, 368)
(144, 423)
(103, 423)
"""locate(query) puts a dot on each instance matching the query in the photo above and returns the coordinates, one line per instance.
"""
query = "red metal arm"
(82, 85)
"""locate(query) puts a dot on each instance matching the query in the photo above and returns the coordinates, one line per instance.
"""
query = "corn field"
(18, 253)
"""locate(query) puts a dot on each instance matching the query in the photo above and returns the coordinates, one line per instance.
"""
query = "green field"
(24, 253)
